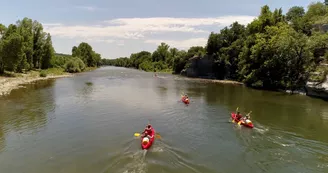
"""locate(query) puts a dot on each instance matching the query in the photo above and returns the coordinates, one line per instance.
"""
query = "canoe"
(250, 124)
(150, 141)
(185, 100)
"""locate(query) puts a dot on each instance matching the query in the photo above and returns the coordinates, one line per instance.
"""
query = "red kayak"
(185, 100)
(146, 143)
(250, 124)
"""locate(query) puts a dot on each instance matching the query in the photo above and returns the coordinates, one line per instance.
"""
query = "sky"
(118, 28)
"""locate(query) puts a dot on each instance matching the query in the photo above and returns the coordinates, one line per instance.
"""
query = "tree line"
(24, 46)
(274, 51)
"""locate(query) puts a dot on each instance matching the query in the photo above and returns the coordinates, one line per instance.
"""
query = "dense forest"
(24, 46)
(274, 51)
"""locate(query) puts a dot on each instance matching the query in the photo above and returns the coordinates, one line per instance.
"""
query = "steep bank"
(7, 84)
(317, 90)
(202, 68)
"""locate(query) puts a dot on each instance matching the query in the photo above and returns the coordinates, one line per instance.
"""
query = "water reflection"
(161, 87)
(26, 109)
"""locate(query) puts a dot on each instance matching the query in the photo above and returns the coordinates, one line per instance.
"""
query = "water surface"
(85, 124)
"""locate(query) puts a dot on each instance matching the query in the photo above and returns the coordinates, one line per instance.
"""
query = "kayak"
(185, 100)
(146, 143)
(250, 124)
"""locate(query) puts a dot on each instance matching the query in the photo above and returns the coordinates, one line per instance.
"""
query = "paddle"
(156, 135)
(246, 115)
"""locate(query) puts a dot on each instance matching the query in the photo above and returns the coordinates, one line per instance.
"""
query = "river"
(85, 124)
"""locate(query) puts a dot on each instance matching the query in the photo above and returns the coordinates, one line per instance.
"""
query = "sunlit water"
(85, 124)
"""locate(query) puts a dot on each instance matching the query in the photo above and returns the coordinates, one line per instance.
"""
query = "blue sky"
(118, 28)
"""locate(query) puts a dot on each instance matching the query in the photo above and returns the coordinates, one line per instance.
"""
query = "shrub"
(43, 74)
(75, 65)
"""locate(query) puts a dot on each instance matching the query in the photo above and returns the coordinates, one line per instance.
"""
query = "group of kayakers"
(148, 135)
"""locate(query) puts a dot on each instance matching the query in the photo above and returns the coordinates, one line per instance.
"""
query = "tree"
(85, 52)
(38, 42)
(75, 52)
(48, 53)
(2, 32)
(161, 53)
(12, 51)
(24, 28)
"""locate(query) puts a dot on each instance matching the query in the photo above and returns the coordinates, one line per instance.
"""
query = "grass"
(54, 71)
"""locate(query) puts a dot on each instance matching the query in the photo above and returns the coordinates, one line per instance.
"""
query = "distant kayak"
(185, 100)
(249, 124)
(146, 142)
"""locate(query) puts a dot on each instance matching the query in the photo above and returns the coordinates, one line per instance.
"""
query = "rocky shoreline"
(7, 84)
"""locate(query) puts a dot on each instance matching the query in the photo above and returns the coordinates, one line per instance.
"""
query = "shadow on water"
(25, 110)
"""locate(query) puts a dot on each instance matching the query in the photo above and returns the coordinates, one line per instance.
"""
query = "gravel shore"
(7, 84)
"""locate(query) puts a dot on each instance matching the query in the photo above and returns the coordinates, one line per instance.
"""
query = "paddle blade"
(158, 136)
(137, 134)
(239, 122)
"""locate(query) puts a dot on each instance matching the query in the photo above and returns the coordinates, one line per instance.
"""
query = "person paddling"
(247, 118)
(148, 131)
(238, 116)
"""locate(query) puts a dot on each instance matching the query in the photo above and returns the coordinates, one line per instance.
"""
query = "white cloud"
(94, 40)
(127, 35)
(51, 24)
(181, 44)
(139, 28)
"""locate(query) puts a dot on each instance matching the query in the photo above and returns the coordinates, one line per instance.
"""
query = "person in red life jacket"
(238, 116)
(148, 131)
(185, 97)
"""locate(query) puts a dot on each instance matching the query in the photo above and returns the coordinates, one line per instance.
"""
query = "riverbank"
(209, 80)
(11, 81)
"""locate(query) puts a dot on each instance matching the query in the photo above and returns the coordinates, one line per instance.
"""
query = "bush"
(146, 66)
(75, 65)
(60, 61)
(43, 74)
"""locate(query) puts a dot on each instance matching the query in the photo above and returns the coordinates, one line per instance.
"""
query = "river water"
(85, 124)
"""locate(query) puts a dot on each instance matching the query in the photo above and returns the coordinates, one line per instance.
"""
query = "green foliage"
(48, 53)
(146, 66)
(85, 52)
(12, 51)
(43, 74)
(25, 46)
(74, 65)
(54, 71)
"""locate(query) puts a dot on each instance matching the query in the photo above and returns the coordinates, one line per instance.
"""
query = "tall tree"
(12, 51)
(25, 30)
(48, 53)
(38, 42)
